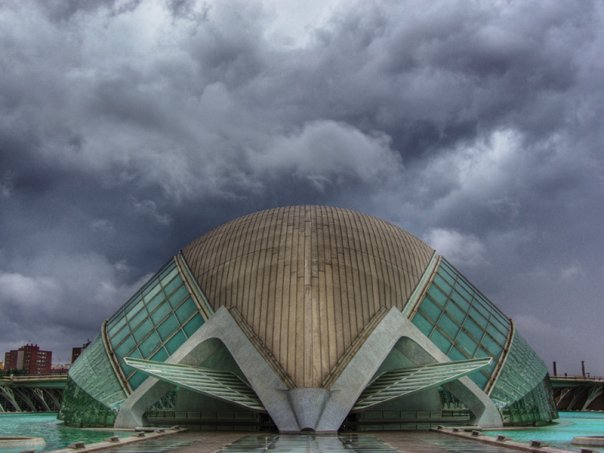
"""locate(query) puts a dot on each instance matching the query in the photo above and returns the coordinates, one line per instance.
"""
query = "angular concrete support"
(308, 405)
(362, 367)
(263, 379)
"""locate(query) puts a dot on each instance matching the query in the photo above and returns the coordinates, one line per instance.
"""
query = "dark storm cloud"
(127, 128)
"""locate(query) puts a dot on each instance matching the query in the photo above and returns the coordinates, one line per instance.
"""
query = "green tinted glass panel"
(160, 314)
(170, 287)
(157, 300)
(477, 317)
(430, 310)
(422, 324)
(128, 345)
(437, 295)
(160, 318)
(473, 329)
(463, 305)
(455, 313)
(174, 343)
(448, 326)
(116, 326)
(160, 355)
(168, 276)
(194, 324)
(466, 344)
(443, 284)
(440, 341)
(178, 296)
(184, 312)
(150, 344)
(137, 379)
(446, 277)
(455, 354)
(120, 335)
(167, 327)
(94, 374)
(134, 310)
(152, 292)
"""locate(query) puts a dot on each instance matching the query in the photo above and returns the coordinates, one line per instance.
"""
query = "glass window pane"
(479, 304)
(430, 310)
(456, 354)
(162, 311)
(448, 326)
(151, 292)
(473, 329)
(440, 341)
(489, 344)
(119, 336)
(172, 285)
(463, 304)
(437, 295)
(137, 319)
(143, 329)
(498, 336)
(466, 344)
(174, 342)
(444, 285)
(116, 325)
(479, 378)
(148, 346)
(178, 296)
(168, 275)
(422, 323)
(137, 379)
(157, 299)
(168, 326)
(194, 324)
(461, 289)
(185, 311)
(126, 347)
(132, 312)
(478, 318)
(455, 313)
(160, 355)
(448, 277)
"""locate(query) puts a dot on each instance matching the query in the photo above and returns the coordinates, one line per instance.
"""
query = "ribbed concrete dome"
(307, 280)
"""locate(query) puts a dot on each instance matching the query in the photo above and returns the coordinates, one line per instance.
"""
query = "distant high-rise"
(75, 352)
(29, 359)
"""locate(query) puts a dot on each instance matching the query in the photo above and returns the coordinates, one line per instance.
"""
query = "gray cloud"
(128, 128)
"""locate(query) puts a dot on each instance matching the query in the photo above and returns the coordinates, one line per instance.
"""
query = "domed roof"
(308, 280)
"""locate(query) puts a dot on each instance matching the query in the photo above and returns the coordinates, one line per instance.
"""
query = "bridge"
(32, 393)
(578, 393)
(44, 393)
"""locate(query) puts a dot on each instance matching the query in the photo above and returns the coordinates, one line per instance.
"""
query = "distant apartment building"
(29, 359)
(75, 352)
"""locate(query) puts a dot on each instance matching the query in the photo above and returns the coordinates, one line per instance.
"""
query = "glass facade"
(461, 321)
(522, 391)
(93, 392)
(152, 325)
(93, 373)
(154, 322)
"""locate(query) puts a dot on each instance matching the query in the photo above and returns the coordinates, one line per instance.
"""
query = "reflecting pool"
(561, 433)
(48, 427)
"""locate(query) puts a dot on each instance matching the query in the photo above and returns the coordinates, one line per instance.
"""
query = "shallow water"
(561, 433)
(52, 430)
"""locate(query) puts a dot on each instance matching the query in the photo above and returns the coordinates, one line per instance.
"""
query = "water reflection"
(308, 443)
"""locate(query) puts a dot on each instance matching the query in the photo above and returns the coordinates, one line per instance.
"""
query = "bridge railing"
(577, 378)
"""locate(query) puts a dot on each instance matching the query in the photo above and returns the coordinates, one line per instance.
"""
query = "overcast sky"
(129, 128)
